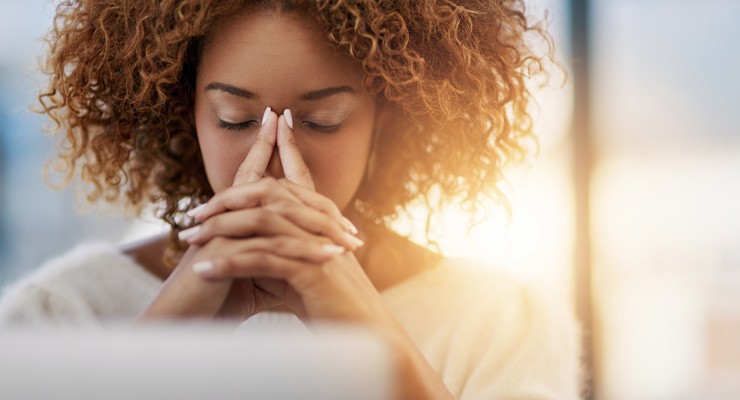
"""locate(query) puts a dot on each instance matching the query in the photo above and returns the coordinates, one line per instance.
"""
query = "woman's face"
(282, 60)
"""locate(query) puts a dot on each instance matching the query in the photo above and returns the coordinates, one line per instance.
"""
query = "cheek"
(338, 164)
(222, 153)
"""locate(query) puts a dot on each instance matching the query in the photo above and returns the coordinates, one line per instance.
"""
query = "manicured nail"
(333, 249)
(288, 117)
(354, 240)
(196, 210)
(350, 226)
(188, 233)
(202, 267)
(266, 115)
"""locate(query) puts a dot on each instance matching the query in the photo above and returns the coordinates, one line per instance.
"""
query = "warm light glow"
(536, 242)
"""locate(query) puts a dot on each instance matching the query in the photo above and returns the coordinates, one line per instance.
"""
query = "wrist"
(415, 377)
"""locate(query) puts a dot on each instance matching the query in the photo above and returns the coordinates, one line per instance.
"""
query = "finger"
(245, 196)
(280, 217)
(317, 201)
(317, 223)
(251, 265)
(255, 163)
(295, 248)
(267, 191)
(294, 167)
(243, 224)
(290, 247)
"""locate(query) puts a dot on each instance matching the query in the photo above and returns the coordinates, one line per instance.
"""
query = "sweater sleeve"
(34, 305)
(531, 351)
(92, 284)
(491, 335)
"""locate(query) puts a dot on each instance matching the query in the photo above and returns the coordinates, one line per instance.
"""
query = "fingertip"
(331, 249)
(288, 117)
(272, 118)
(195, 211)
(202, 214)
(349, 226)
(187, 235)
(282, 122)
(267, 129)
(266, 115)
(284, 131)
(353, 240)
(204, 268)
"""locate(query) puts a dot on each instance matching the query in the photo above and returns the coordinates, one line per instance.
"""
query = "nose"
(275, 167)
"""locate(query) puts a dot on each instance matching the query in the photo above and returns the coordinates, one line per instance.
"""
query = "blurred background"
(631, 208)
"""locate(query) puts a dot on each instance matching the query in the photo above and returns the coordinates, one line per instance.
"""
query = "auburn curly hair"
(122, 76)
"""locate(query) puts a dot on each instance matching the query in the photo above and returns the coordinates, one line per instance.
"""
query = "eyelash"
(321, 128)
(235, 127)
(310, 125)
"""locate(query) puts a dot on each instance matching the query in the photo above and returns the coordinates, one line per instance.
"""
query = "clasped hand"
(265, 242)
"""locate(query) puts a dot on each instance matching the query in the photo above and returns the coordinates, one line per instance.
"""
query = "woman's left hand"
(337, 289)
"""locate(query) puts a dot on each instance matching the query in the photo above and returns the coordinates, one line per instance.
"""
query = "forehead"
(274, 53)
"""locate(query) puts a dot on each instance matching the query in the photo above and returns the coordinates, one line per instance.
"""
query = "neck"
(389, 258)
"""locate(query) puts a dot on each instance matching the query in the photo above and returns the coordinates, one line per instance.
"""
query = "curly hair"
(122, 77)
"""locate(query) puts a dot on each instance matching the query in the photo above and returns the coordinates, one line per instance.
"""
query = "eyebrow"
(231, 90)
(326, 92)
(313, 95)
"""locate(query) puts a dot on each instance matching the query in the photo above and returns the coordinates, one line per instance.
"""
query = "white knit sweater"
(488, 335)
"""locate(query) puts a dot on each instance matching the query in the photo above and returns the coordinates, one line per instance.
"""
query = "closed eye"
(237, 126)
(321, 128)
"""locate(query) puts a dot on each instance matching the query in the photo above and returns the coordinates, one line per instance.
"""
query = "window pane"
(35, 221)
(666, 198)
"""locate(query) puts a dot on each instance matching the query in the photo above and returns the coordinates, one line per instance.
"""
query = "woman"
(281, 138)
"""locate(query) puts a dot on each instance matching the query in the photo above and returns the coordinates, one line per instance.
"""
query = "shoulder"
(494, 334)
(465, 286)
(83, 285)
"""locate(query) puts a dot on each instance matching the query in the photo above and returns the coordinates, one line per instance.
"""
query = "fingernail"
(288, 117)
(196, 210)
(266, 115)
(188, 233)
(350, 226)
(333, 249)
(354, 240)
(202, 267)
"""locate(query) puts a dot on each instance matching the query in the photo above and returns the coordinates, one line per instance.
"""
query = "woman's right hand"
(258, 216)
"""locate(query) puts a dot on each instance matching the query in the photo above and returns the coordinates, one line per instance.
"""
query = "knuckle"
(262, 216)
(262, 260)
(324, 226)
(261, 187)
(324, 205)
(275, 206)
(284, 206)
(280, 244)
(268, 183)
(329, 205)
(227, 265)
(265, 187)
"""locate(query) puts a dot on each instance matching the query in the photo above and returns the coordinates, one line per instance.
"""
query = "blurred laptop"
(194, 362)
